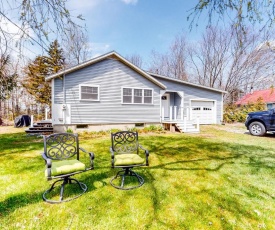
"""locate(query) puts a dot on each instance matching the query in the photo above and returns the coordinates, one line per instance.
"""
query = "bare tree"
(76, 46)
(239, 13)
(38, 22)
(220, 62)
(135, 59)
(173, 63)
(210, 57)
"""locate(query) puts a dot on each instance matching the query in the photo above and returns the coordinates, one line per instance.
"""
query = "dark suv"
(258, 123)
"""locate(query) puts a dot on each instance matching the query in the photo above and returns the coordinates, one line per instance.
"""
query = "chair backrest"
(125, 142)
(61, 146)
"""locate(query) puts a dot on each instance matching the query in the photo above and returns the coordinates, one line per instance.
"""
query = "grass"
(218, 179)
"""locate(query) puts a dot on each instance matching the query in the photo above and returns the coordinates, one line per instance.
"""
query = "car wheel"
(257, 129)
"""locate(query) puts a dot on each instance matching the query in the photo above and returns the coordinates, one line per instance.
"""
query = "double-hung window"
(137, 96)
(89, 92)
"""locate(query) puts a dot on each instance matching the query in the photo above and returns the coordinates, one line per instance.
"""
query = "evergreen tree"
(56, 59)
(7, 80)
(41, 67)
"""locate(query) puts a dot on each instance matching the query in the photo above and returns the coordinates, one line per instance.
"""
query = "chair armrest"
(112, 157)
(48, 162)
(92, 157)
(146, 154)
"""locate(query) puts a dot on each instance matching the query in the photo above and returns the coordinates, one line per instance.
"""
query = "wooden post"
(31, 120)
(175, 112)
(46, 113)
(198, 124)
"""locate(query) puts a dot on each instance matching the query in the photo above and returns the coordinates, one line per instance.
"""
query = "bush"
(69, 130)
(234, 113)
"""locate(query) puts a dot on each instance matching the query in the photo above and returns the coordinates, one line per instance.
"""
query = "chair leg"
(127, 172)
(140, 179)
(66, 180)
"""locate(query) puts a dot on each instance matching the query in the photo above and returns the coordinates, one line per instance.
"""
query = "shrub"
(69, 130)
(234, 113)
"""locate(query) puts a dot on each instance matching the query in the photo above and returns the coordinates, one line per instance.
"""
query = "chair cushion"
(128, 159)
(66, 167)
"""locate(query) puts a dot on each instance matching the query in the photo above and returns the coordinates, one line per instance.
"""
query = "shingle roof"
(268, 95)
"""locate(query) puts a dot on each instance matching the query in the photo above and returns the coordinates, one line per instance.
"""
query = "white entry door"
(204, 110)
(165, 103)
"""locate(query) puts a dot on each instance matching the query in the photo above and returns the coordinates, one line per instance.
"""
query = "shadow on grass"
(20, 200)
(24, 199)
(17, 142)
(179, 153)
(190, 150)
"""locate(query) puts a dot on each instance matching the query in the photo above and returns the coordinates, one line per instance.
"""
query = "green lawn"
(213, 180)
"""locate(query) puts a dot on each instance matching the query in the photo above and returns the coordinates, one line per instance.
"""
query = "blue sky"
(136, 26)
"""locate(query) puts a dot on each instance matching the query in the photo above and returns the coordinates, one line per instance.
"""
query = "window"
(269, 105)
(137, 96)
(89, 92)
(82, 126)
(148, 96)
(127, 95)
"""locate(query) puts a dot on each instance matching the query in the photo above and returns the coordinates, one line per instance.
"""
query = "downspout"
(64, 100)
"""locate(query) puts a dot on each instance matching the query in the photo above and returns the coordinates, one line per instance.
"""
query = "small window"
(82, 126)
(148, 96)
(137, 96)
(89, 92)
(139, 125)
(127, 95)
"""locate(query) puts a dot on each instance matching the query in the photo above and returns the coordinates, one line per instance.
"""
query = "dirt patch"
(11, 129)
(233, 128)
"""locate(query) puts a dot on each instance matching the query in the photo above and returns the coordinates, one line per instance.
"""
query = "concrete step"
(39, 131)
(40, 128)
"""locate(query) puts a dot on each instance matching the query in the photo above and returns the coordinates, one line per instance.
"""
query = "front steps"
(189, 127)
(40, 128)
(183, 126)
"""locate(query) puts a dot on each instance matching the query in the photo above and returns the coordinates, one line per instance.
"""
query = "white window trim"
(133, 88)
(98, 96)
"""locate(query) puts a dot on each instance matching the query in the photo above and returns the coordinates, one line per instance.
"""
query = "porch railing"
(176, 113)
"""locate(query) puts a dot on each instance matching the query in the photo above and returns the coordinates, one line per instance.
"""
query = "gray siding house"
(110, 92)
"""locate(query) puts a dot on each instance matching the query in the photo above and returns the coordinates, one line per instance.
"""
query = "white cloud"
(99, 48)
(133, 2)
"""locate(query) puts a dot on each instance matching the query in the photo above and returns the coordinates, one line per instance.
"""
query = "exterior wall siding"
(192, 92)
(58, 91)
(110, 75)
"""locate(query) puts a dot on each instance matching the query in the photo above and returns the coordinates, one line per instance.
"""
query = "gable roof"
(268, 95)
(186, 82)
(112, 55)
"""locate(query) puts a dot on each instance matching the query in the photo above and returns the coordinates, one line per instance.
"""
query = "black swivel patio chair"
(125, 155)
(61, 155)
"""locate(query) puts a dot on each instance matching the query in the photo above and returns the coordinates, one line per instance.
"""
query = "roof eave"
(187, 83)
